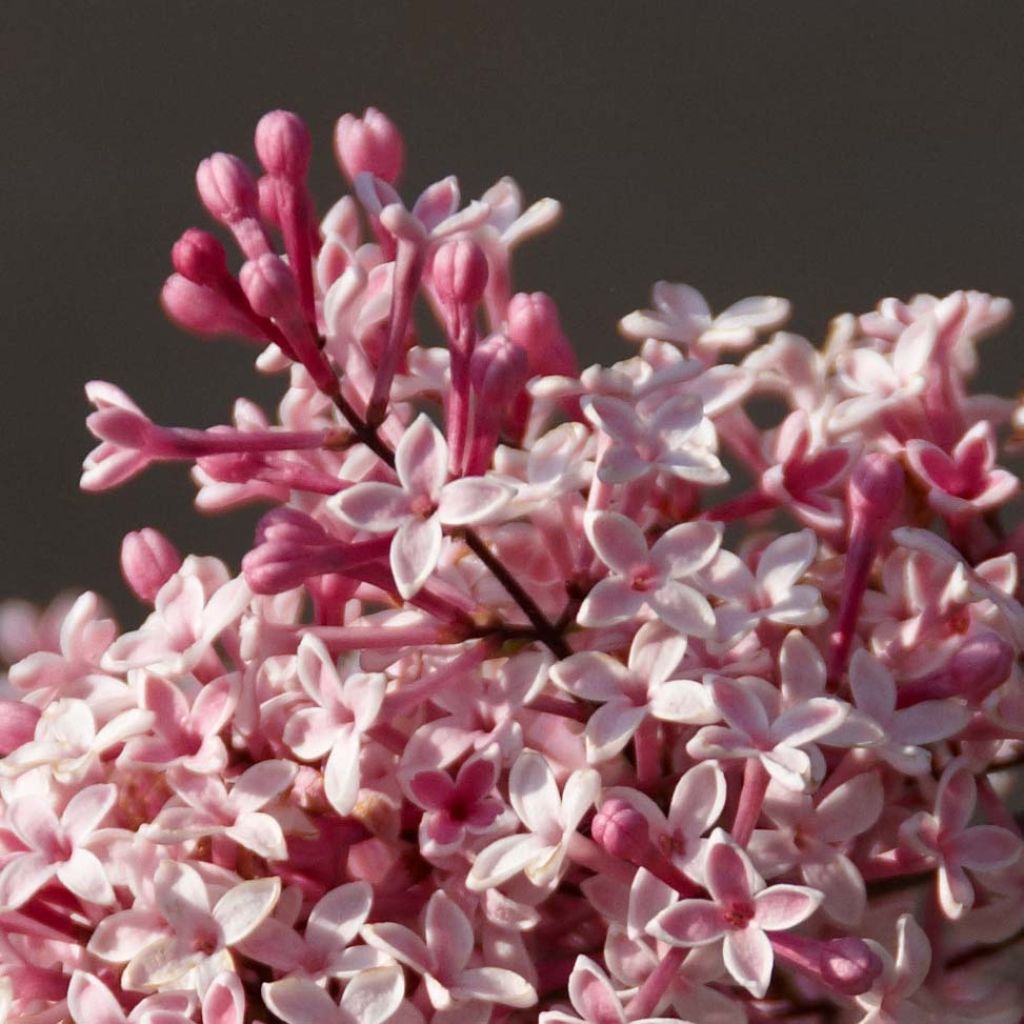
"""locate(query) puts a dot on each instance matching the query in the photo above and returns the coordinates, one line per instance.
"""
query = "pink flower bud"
(981, 664)
(459, 272)
(876, 486)
(283, 145)
(533, 324)
(499, 371)
(17, 724)
(370, 143)
(227, 188)
(124, 428)
(148, 561)
(269, 210)
(201, 309)
(270, 287)
(622, 830)
(849, 965)
(199, 257)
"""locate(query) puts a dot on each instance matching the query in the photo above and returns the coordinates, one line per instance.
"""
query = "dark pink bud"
(122, 427)
(849, 965)
(283, 144)
(17, 724)
(981, 664)
(269, 210)
(533, 324)
(199, 308)
(622, 830)
(227, 188)
(459, 272)
(148, 561)
(199, 257)
(292, 525)
(876, 486)
(370, 143)
(270, 287)
(499, 371)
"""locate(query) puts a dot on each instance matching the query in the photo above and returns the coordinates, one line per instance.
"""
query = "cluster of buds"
(516, 712)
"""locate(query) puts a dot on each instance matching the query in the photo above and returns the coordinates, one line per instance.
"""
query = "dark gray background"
(830, 152)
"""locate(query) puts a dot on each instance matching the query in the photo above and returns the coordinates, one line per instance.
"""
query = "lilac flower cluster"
(514, 713)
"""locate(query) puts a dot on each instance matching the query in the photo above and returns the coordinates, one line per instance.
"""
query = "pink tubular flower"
(416, 509)
(652, 577)
(944, 835)
(741, 912)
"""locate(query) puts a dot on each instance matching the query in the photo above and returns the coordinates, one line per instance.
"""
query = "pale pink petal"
(808, 721)
(801, 667)
(22, 877)
(620, 464)
(581, 791)
(850, 809)
(726, 873)
(785, 560)
(617, 541)
(118, 937)
(592, 994)
(182, 898)
(928, 722)
(689, 923)
(683, 608)
(341, 772)
(337, 917)
(399, 942)
(610, 728)
(781, 907)
(494, 985)
(415, 551)
(842, 886)
(91, 1002)
(501, 860)
(740, 706)
(448, 934)
(590, 675)
(533, 792)
(372, 996)
(685, 701)
(611, 601)
(956, 893)
(956, 797)
(748, 958)
(309, 733)
(297, 1001)
(259, 784)
(83, 875)
(241, 909)
(224, 1002)
(698, 799)
(686, 549)
(471, 500)
(260, 833)
(32, 820)
(913, 956)
(214, 705)
(421, 459)
(618, 419)
(789, 766)
(714, 741)
(985, 848)
(873, 688)
(372, 506)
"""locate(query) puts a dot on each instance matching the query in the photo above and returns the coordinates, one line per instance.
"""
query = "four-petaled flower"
(417, 508)
(741, 912)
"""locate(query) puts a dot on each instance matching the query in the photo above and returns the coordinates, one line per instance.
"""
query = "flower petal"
(471, 500)
(415, 551)
(748, 957)
(689, 923)
(781, 907)
(421, 458)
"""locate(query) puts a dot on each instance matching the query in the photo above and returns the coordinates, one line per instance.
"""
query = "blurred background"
(832, 153)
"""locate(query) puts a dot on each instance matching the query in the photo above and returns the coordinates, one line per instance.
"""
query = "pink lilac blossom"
(514, 712)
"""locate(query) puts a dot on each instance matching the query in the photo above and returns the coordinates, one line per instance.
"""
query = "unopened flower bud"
(148, 561)
(199, 257)
(622, 830)
(283, 144)
(369, 144)
(227, 188)
(981, 664)
(533, 324)
(849, 965)
(199, 308)
(876, 486)
(269, 286)
(499, 371)
(459, 272)
(122, 427)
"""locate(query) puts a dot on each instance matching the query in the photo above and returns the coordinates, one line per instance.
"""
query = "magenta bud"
(269, 210)
(621, 830)
(17, 724)
(227, 188)
(283, 144)
(122, 427)
(849, 965)
(199, 257)
(876, 486)
(498, 370)
(533, 324)
(270, 286)
(148, 561)
(459, 272)
(981, 664)
(292, 525)
(370, 143)
(203, 310)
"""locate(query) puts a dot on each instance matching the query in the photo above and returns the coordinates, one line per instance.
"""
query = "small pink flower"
(372, 997)
(416, 509)
(944, 835)
(650, 578)
(594, 999)
(741, 912)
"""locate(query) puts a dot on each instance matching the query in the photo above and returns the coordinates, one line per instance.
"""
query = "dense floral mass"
(542, 695)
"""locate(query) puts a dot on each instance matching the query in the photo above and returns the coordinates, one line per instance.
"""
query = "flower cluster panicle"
(515, 711)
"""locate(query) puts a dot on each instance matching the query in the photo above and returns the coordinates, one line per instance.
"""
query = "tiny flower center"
(642, 577)
(739, 914)
(423, 506)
